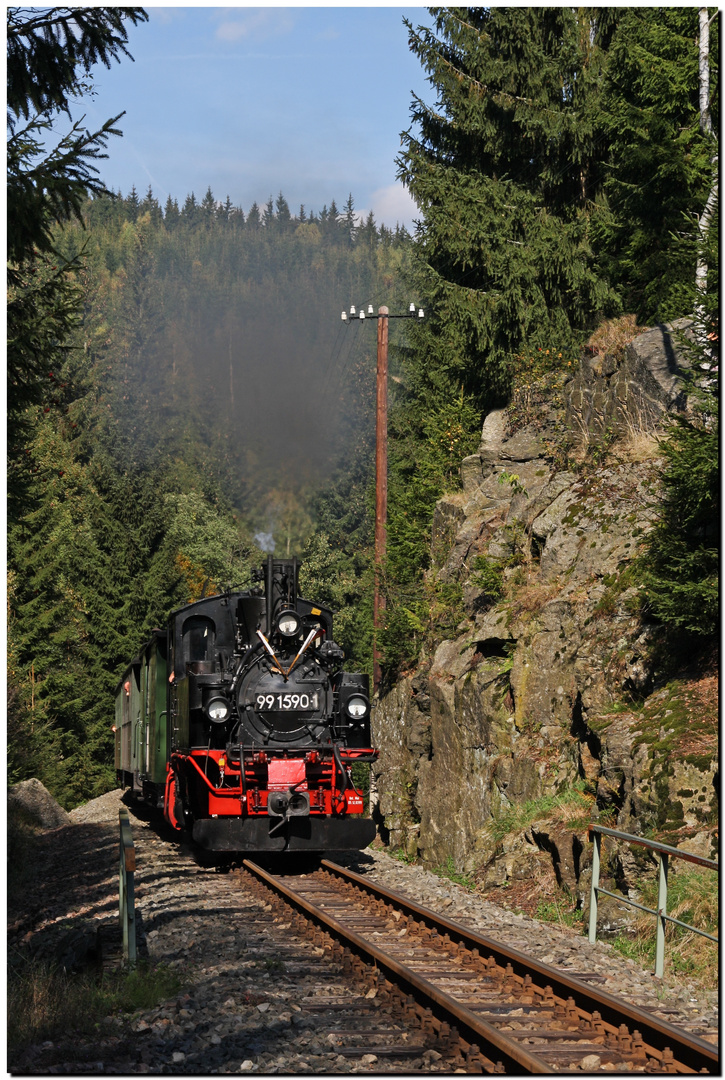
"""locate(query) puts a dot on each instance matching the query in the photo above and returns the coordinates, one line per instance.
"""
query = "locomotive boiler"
(238, 722)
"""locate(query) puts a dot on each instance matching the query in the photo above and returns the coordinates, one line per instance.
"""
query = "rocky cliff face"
(510, 738)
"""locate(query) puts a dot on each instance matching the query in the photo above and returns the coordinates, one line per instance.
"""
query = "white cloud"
(393, 205)
(259, 24)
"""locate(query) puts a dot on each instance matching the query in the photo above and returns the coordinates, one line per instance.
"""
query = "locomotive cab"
(202, 638)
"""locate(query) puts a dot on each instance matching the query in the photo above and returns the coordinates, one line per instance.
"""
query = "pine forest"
(183, 396)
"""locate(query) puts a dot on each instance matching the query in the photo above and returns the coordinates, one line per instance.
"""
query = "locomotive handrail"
(126, 899)
(664, 851)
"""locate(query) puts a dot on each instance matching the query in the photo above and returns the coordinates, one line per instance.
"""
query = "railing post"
(126, 899)
(596, 859)
(661, 912)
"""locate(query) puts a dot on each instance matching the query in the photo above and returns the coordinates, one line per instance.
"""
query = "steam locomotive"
(238, 722)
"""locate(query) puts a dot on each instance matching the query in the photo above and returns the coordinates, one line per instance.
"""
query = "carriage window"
(198, 638)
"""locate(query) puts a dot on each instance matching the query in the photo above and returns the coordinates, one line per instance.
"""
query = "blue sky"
(309, 101)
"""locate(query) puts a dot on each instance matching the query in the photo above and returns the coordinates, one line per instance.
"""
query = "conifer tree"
(49, 53)
(51, 49)
(133, 204)
(504, 170)
(348, 218)
(150, 206)
(171, 213)
(661, 172)
(208, 207)
(268, 215)
(284, 217)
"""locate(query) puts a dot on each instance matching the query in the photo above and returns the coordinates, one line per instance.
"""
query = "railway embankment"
(253, 996)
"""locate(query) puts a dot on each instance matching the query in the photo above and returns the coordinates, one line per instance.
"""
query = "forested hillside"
(210, 392)
(179, 383)
(182, 392)
(552, 624)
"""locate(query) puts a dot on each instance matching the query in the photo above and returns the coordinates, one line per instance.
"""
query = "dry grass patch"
(530, 599)
(693, 897)
(613, 335)
(540, 887)
(636, 447)
(571, 808)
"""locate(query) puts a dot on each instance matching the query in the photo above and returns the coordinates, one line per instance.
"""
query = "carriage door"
(150, 709)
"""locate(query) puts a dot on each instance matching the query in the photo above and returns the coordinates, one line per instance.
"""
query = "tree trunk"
(706, 128)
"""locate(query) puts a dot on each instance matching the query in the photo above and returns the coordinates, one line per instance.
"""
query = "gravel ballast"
(244, 980)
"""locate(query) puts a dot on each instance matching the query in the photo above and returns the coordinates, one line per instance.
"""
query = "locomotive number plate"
(288, 702)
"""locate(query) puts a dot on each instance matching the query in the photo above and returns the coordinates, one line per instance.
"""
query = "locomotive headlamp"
(357, 707)
(288, 624)
(217, 710)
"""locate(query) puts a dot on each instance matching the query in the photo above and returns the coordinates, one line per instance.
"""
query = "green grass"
(44, 1003)
(557, 911)
(456, 876)
(402, 856)
(573, 807)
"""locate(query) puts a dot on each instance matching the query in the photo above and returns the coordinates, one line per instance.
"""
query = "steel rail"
(695, 1053)
(491, 1041)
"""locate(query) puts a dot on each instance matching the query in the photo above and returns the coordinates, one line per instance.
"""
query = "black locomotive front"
(264, 726)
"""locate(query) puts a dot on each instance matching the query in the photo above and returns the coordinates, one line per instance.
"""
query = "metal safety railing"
(596, 832)
(126, 900)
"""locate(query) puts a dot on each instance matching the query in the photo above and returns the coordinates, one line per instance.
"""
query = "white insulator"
(421, 313)
(362, 314)
(370, 309)
(412, 308)
(344, 316)
(352, 309)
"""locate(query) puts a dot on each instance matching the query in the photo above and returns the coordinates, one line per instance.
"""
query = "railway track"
(472, 1003)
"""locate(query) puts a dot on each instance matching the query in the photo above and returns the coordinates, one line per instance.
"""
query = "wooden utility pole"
(381, 484)
(381, 465)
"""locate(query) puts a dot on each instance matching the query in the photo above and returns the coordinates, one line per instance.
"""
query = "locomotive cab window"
(198, 637)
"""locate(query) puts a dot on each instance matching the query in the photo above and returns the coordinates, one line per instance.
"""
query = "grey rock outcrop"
(632, 392)
(34, 799)
(522, 704)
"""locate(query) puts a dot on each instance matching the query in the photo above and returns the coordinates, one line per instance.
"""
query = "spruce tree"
(661, 159)
(171, 213)
(503, 166)
(284, 217)
(208, 207)
(49, 53)
(51, 49)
